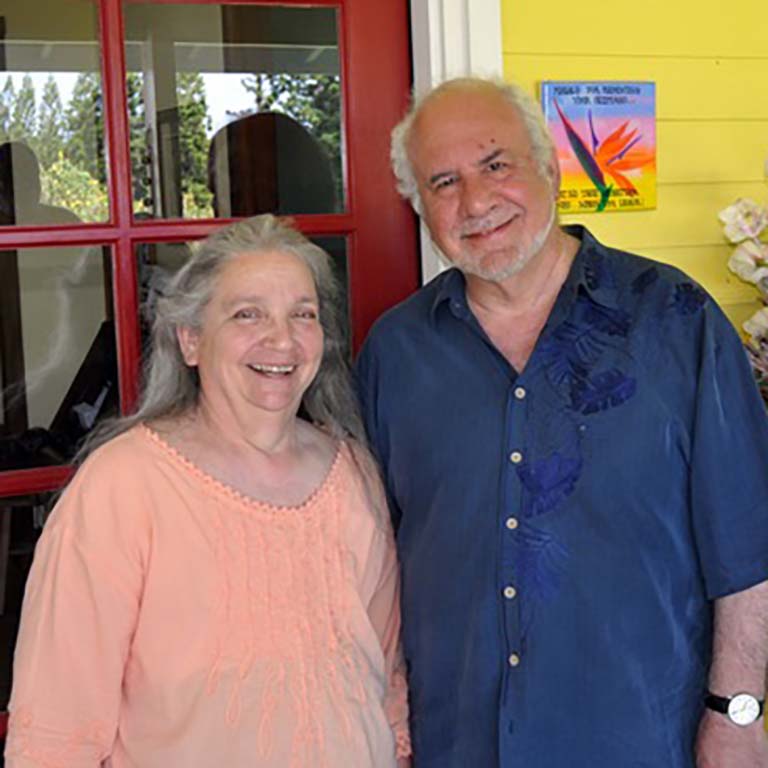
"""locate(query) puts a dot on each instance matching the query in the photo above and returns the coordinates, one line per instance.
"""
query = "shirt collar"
(589, 274)
(451, 290)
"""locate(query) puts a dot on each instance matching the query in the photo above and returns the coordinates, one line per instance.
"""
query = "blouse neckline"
(325, 487)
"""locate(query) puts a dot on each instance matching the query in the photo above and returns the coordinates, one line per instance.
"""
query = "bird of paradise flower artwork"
(610, 148)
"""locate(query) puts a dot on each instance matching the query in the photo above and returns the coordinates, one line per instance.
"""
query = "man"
(576, 457)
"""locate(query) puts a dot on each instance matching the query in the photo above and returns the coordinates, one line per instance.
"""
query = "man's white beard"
(471, 267)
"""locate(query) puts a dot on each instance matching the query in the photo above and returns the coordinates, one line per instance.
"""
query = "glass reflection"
(52, 162)
(58, 370)
(234, 109)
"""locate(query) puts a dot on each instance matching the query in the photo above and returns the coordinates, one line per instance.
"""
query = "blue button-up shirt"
(563, 531)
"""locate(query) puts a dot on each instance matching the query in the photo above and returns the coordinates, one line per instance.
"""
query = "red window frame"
(379, 228)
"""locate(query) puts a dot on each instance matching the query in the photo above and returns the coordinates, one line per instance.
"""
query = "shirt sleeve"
(79, 613)
(384, 614)
(366, 380)
(729, 464)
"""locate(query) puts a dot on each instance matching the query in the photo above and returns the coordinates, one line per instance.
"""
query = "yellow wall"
(709, 61)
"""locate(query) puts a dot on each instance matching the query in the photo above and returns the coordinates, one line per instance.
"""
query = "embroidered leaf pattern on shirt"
(578, 358)
(571, 352)
(645, 280)
(597, 274)
(546, 482)
(574, 349)
(607, 320)
(688, 299)
(602, 391)
(540, 561)
(576, 345)
(593, 272)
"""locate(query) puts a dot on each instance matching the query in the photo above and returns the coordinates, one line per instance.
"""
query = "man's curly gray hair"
(530, 112)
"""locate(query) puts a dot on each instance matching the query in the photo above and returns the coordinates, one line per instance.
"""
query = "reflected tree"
(69, 138)
(7, 99)
(194, 126)
(85, 127)
(140, 160)
(23, 125)
(50, 125)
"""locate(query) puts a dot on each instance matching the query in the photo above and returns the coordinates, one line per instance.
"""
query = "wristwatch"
(742, 708)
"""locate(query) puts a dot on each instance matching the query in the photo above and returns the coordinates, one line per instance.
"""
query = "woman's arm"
(384, 613)
(80, 608)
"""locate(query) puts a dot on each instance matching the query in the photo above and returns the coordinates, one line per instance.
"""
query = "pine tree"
(7, 100)
(23, 124)
(194, 125)
(50, 125)
(141, 169)
(85, 127)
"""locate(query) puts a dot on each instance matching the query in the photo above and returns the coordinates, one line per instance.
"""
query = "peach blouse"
(170, 622)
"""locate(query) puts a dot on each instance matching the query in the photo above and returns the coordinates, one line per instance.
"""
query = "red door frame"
(380, 229)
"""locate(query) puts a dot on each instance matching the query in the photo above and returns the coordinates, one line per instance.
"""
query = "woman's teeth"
(262, 368)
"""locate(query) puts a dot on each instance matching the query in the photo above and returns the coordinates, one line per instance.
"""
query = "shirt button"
(520, 393)
(510, 592)
(511, 523)
(513, 660)
(515, 457)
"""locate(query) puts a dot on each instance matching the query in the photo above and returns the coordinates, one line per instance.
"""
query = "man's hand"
(722, 744)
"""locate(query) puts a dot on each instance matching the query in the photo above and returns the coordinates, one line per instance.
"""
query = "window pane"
(21, 521)
(157, 261)
(58, 371)
(234, 109)
(52, 163)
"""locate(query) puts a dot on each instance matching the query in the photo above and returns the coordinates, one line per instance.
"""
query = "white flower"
(757, 325)
(744, 220)
(749, 261)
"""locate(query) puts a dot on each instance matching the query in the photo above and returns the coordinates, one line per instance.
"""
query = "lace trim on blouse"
(327, 484)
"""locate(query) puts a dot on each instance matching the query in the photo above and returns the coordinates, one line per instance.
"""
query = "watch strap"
(717, 703)
(720, 703)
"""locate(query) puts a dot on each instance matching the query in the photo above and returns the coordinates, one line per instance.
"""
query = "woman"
(218, 584)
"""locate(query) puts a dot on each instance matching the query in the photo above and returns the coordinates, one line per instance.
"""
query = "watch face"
(743, 709)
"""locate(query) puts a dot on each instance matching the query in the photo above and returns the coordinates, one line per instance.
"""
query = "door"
(129, 130)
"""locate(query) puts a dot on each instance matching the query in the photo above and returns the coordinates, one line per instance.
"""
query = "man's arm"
(739, 664)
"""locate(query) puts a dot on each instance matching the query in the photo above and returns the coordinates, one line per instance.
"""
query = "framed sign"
(605, 135)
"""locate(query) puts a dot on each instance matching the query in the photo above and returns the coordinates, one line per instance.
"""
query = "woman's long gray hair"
(171, 388)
